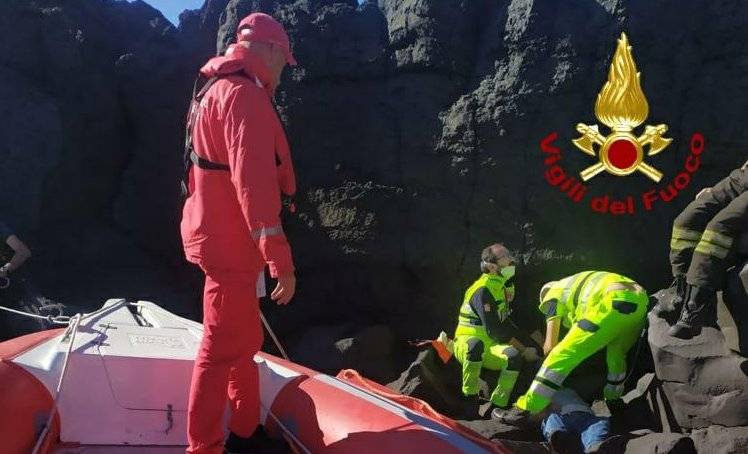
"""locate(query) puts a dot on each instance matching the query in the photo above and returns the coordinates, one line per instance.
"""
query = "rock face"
(429, 379)
(415, 127)
(371, 350)
(703, 381)
(721, 440)
(92, 99)
(666, 443)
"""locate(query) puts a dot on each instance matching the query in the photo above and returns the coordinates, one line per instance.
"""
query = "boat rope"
(53, 319)
(71, 331)
(58, 319)
(275, 338)
(286, 430)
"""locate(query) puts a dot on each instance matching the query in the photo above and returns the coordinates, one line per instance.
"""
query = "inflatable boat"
(117, 380)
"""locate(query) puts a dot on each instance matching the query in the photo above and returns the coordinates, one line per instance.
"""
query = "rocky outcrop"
(416, 126)
(721, 440)
(371, 350)
(696, 398)
(703, 382)
(428, 378)
(93, 96)
(665, 443)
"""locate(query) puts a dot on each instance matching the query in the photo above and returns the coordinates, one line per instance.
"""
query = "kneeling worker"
(483, 336)
(601, 310)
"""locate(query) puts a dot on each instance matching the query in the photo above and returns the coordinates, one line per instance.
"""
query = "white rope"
(73, 329)
(267, 410)
(111, 307)
(286, 430)
(272, 334)
(57, 319)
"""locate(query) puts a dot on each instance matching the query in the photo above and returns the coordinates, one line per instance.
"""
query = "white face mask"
(508, 271)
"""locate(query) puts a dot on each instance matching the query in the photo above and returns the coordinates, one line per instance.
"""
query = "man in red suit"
(231, 225)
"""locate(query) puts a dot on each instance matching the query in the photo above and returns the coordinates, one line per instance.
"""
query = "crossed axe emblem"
(621, 153)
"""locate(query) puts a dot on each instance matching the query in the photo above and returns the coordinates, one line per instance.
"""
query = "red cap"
(262, 28)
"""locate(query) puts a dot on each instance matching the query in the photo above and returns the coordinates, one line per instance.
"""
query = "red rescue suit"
(231, 228)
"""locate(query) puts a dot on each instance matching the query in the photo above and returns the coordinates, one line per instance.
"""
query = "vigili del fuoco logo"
(622, 107)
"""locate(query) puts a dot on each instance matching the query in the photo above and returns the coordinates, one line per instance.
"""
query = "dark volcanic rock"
(93, 96)
(429, 379)
(664, 443)
(735, 297)
(642, 409)
(415, 127)
(370, 351)
(721, 440)
(704, 382)
(497, 431)
(437, 35)
(317, 346)
(525, 447)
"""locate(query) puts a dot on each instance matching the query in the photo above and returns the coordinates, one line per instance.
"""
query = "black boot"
(671, 302)
(258, 442)
(471, 407)
(700, 310)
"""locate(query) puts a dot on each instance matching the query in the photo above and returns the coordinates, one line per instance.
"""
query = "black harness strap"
(190, 157)
(205, 164)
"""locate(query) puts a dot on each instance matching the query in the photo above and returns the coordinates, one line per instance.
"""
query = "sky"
(172, 8)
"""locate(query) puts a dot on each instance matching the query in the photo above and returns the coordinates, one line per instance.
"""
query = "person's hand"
(703, 191)
(530, 355)
(4, 270)
(285, 289)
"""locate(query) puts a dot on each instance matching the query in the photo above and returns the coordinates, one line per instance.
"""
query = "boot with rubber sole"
(700, 310)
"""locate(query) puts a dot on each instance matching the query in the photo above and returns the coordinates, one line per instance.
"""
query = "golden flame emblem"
(622, 106)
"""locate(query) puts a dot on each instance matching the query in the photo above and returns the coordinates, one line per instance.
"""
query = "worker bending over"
(601, 310)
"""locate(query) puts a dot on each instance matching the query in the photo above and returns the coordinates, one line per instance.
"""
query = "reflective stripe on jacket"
(469, 322)
(573, 297)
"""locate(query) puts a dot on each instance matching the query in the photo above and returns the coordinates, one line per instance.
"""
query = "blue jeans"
(590, 428)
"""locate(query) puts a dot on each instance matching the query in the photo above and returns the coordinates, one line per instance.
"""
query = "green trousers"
(493, 357)
(603, 326)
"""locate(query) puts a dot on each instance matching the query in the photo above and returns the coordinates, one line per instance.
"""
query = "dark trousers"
(706, 232)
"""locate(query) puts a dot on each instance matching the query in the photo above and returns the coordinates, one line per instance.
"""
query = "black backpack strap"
(191, 158)
(207, 165)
